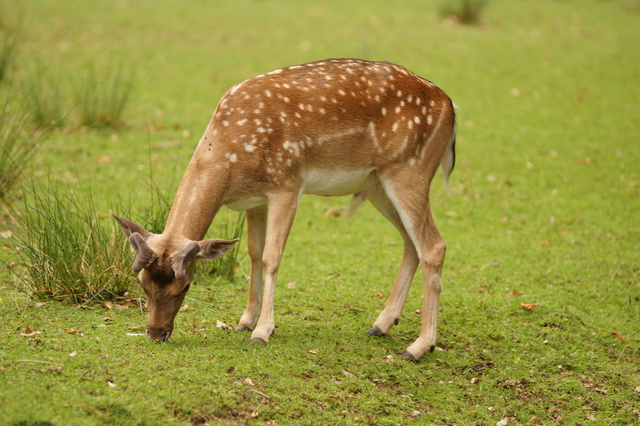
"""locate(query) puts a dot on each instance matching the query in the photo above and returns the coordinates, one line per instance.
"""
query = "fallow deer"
(332, 127)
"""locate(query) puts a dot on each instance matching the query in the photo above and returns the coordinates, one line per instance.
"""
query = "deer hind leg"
(282, 210)
(256, 234)
(393, 309)
(415, 213)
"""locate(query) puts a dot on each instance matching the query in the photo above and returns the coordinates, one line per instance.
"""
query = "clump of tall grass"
(8, 44)
(101, 99)
(67, 249)
(17, 143)
(468, 12)
(94, 100)
(45, 98)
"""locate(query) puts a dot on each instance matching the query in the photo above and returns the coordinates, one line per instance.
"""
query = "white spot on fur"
(241, 122)
(429, 120)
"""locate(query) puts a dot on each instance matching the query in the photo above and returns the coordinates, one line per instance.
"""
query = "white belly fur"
(334, 182)
(327, 182)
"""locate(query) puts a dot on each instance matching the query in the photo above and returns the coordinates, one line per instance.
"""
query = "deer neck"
(199, 196)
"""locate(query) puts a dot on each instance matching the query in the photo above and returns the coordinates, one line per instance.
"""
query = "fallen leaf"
(586, 161)
(313, 351)
(474, 380)
(111, 384)
(28, 333)
(545, 243)
(332, 213)
(248, 381)
(617, 336)
(291, 285)
(348, 374)
(528, 306)
(223, 326)
(379, 295)
(108, 305)
(184, 307)
(516, 293)
(109, 318)
(74, 353)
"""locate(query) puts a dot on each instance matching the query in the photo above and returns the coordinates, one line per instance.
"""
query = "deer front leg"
(256, 233)
(282, 210)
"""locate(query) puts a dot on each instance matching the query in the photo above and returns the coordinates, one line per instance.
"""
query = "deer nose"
(159, 334)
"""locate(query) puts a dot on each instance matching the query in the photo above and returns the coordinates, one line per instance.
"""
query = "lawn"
(543, 212)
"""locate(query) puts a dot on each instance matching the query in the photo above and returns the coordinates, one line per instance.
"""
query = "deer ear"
(145, 256)
(129, 227)
(213, 249)
(180, 260)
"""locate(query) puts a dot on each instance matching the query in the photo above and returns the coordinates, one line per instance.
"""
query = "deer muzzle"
(159, 334)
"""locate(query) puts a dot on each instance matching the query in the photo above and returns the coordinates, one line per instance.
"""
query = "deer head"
(165, 269)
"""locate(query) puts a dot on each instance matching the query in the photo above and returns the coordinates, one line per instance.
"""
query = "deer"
(335, 127)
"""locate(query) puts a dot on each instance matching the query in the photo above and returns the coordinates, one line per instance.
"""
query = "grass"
(9, 36)
(64, 251)
(467, 12)
(17, 142)
(46, 98)
(102, 97)
(543, 210)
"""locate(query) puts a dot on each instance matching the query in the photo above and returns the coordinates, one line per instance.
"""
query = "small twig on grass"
(36, 361)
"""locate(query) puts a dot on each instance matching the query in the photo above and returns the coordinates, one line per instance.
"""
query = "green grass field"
(544, 209)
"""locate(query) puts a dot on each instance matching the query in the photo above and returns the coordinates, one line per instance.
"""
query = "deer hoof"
(258, 340)
(242, 327)
(375, 331)
(406, 355)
